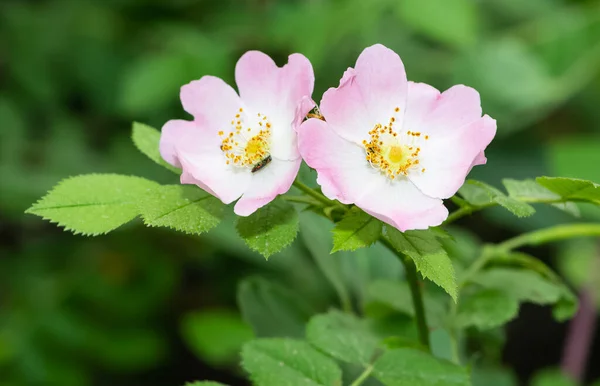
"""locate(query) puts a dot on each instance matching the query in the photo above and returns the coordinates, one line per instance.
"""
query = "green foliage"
(146, 139)
(572, 188)
(185, 208)
(93, 204)
(269, 229)
(343, 337)
(416, 368)
(269, 361)
(486, 309)
(392, 293)
(204, 383)
(216, 336)
(478, 193)
(454, 22)
(552, 377)
(272, 310)
(428, 255)
(356, 230)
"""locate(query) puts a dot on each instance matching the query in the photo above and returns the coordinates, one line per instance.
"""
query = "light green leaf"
(486, 309)
(490, 376)
(269, 229)
(342, 336)
(406, 366)
(216, 336)
(552, 377)
(356, 230)
(93, 204)
(454, 22)
(272, 310)
(528, 190)
(520, 284)
(572, 188)
(478, 193)
(146, 139)
(272, 362)
(185, 208)
(204, 383)
(428, 255)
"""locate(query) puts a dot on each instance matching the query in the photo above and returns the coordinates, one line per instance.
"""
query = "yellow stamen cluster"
(246, 146)
(393, 153)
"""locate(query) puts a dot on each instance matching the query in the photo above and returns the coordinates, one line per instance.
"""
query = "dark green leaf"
(572, 188)
(269, 229)
(428, 255)
(406, 366)
(273, 362)
(486, 309)
(342, 336)
(356, 230)
(478, 193)
(272, 310)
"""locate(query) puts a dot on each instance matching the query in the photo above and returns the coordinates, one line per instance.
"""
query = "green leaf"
(392, 293)
(93, 204)
(216, 336)
(269, 229)
(146, 139)
(428, 255)
(552, 377)
(185, 208)
(478, 193)
(406, 366)
(572, 188)
(486, 309)
(454, 22)
(520, 284)
(273, 361)
(528, 190)
(342, 336)
(356, 230)
(272, 310)
(204, 383)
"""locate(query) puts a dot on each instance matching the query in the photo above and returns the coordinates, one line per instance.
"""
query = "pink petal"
(448, 160)
(206, 167)
(400, 204)
(177, 134)
(437, 114)
(274, 179)
(367, 95)
(343, 172)
(211, 101)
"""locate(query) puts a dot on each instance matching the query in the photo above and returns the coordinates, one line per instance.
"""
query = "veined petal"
(343, 172)
(278, 93)
(211, 101)
(403, 206)
(274, 179)
(368, 94)
(206, 167)
(449, 159)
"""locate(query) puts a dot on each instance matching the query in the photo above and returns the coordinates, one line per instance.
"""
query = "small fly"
(264, 162)
(315, 113)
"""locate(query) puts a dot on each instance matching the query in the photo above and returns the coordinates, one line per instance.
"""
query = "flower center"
(247, 143)
(394, 152)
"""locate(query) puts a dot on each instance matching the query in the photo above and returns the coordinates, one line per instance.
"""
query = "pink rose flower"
(242, 146)
(395, 148)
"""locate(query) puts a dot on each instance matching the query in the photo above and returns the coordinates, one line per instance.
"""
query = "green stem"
(363, 377)
(555, 233)
(318, 196)
(301, 200)
(415, 291)
(455, 356)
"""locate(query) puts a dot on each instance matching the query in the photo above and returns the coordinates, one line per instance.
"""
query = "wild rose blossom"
(242, 146)
(395, 148)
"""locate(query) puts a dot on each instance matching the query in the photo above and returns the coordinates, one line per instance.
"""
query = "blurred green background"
(140, 306)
